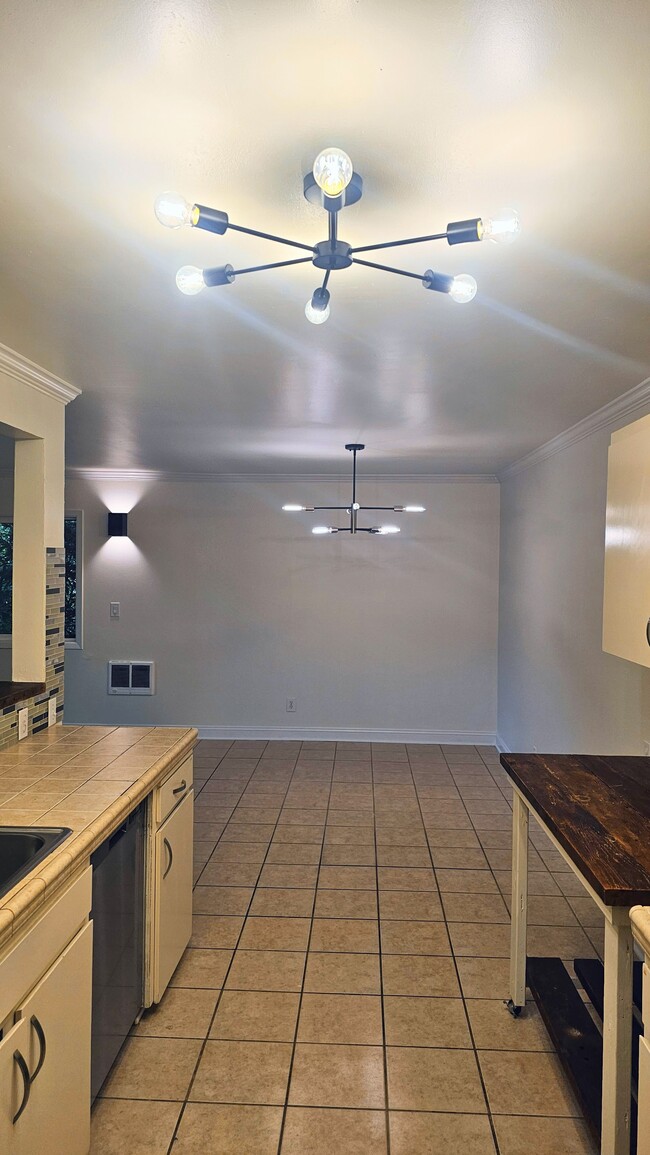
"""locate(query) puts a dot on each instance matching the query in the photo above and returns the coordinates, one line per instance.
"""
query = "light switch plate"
(23, 722)
(51, 711)
(114, 611)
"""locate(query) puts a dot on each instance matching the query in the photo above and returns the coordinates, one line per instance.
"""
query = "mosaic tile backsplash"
(54, 654)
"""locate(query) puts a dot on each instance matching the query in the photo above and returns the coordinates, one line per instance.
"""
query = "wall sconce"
(117, 525)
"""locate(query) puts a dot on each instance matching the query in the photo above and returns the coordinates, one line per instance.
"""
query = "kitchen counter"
(88, 778)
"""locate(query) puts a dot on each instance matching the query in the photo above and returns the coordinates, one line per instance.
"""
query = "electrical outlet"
(114, 611)
(291, 705)
(51, 711)
(646, 748)
(23, 716)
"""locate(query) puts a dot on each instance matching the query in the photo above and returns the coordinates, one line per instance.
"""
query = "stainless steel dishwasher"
(118, 942)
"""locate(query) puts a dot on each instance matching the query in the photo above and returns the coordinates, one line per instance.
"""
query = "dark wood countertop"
(598, 808)
(13, 692)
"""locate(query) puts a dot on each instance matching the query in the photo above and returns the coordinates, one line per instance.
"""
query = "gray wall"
(558, 691)
(241, 607)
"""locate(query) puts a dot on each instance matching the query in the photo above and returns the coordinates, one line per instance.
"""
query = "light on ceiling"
(317, 309)
(190, 280)
(173, 210)
(353, 507)
(333, 184)
(463, 289)
(332, 171)
(503, 228)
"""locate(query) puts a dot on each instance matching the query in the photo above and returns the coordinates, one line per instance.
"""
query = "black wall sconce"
(117, 525)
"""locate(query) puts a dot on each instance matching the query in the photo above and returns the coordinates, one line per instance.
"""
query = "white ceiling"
(449, 109)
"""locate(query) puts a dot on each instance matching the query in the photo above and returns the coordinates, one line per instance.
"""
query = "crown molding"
(79, 473)
(628, 405)
(28, 373)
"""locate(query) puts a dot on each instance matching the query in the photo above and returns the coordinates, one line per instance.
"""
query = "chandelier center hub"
(332, 255)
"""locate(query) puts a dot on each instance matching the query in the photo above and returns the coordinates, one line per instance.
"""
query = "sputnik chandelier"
(353, 508)
(333, 184)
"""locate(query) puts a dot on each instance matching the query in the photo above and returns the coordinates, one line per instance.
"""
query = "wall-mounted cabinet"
(626, 607)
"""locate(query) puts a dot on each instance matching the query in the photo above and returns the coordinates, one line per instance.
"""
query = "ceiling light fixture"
(354, 508)
(333, 184)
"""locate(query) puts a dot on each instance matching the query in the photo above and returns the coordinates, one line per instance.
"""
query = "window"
(72, 549)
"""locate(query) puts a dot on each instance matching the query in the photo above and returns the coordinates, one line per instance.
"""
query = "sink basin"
(23, 847)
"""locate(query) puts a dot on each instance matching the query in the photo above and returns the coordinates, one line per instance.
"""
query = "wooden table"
(596, 812)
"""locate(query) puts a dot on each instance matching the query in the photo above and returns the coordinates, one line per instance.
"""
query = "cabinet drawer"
(173, 790)
(28, 961)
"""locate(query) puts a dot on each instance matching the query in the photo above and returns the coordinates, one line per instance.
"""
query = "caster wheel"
(515, 1011)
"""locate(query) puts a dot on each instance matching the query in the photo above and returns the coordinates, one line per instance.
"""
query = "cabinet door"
(57, 1017)
(173, 893)
(626, 607)
(14, 1086)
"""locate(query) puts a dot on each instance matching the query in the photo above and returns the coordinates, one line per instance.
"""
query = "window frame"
(75, 643)
(5, 639)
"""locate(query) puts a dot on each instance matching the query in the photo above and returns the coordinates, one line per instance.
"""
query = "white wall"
(241, 607)
(558, 691)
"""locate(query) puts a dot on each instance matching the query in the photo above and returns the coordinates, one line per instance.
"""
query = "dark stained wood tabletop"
(598, 808)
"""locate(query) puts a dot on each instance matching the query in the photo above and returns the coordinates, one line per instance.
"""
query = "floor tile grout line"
(464, 1000)
(304, 972)
(225, 977)
(387, 1107)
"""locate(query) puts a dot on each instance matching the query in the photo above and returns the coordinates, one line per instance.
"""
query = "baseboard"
(501, 746)
(350, 734)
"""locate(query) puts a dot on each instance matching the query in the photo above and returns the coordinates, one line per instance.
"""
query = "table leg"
(519, 906)
(617, 1034)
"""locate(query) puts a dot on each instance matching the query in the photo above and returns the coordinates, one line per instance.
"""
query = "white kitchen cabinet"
(45, 1060)
(172, 923)
(626, 606)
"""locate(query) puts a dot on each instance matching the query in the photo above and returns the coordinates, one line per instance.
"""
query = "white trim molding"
(28, 373)
(349, 734)
(79, 473)
(501, 746)
(629, 405)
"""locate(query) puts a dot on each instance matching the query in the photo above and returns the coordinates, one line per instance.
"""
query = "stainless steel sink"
(23, 847)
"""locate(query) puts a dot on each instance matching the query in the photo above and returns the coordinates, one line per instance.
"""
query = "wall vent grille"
(131, 678)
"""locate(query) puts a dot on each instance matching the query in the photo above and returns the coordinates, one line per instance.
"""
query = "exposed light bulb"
(190, 280)
(316, 316)
(463, 289)
(388, 529)
(294, 508)
(172, 210)
(355, 505)
(504, 228)
(332, 171)
(414, 508)
(323, 529)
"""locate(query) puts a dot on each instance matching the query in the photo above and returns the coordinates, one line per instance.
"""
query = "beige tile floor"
(343, 987)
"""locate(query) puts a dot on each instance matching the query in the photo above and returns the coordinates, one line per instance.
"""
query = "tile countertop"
(86, 777)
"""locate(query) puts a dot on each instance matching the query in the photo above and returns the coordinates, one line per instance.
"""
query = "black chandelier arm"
(388, 269)
(271, 237)
(338, 507)
(381, 508)
(273, 265)
(395, 244)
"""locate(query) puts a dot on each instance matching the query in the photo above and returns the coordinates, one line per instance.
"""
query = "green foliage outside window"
(6, 553)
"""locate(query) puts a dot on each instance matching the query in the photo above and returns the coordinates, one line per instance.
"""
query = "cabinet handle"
(40, 1034)
(171, 856)
(647, 631)
(27, 1086)
(183, 785)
